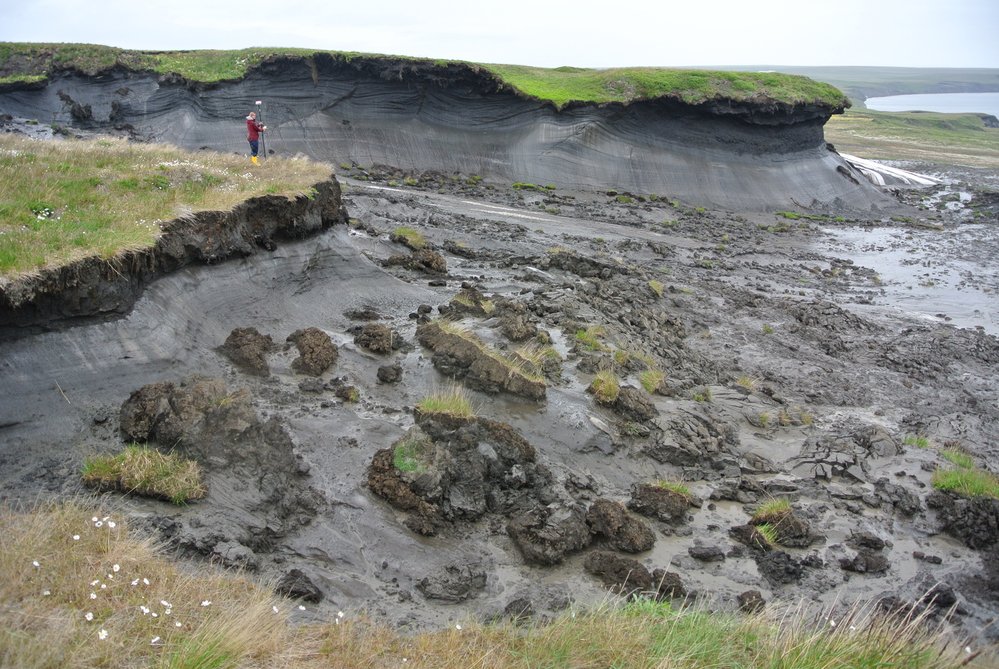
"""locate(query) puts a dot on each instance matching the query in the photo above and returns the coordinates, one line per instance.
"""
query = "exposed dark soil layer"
(743, 155)
(789, 371)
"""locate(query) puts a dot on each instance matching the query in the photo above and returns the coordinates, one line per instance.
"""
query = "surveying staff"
(253, 130)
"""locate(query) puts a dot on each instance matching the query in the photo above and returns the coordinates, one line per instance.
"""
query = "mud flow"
(645, 377)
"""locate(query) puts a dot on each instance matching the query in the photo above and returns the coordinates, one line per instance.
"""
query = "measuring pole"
(260, 119)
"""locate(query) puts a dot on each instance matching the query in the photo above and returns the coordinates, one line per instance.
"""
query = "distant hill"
(860, 83)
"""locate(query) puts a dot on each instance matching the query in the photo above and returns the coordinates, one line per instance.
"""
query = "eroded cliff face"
(96, 287)
(459, 118)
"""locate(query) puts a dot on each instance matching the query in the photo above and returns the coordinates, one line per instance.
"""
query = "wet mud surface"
(814, 359)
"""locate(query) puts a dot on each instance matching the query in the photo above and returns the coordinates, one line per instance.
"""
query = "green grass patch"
(562, 85)
(146, 471)
(772, 510)
(513, 364)
(605, 387)
(559, 85)
(768, 532)
(67, 200)
(968, 482)
(657, 287)
(451, 401)
(958, 458)
(410, 453)
(590, 338)
(702, 394)
(675, 486)
(748, 382)
(651, 380)
(409, 237)
(916, 440)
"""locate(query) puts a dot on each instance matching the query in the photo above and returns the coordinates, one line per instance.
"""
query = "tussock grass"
(514, 365)
(46, 625)
(146, 471)
(410, 237)
(652, 379)
(590, 338)
(61, 201)
(657, 287)
(917, 440)
(678, 487)
(452, 401)
(772, 510)
(605, 386)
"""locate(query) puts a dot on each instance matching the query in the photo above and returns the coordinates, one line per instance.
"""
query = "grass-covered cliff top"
(28, 62)
(61, 201)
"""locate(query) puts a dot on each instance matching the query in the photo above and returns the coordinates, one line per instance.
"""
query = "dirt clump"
(611, 520)
(317, 352)
(247, 348)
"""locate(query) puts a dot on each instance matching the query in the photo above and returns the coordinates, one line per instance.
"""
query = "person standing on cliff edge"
(253, 130)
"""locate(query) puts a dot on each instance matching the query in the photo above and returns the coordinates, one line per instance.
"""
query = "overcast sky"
(913, 33)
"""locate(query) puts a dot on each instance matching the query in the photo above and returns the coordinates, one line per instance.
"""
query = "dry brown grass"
(61, 563)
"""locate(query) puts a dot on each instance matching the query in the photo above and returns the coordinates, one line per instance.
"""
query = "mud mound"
(449, 469)
(257, 491)
(247, 349)
(463, 357)
(317, 351)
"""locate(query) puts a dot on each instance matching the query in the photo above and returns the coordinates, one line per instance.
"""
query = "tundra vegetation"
(146, 471)
(81, 589)
(26, 62)
(67, 200)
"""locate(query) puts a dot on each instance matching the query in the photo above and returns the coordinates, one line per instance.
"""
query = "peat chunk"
(619, 574)
(317, 352)
(247, 349)
(546, 535)
(623, 531)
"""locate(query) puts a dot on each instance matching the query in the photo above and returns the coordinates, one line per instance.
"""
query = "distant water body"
(952, 103)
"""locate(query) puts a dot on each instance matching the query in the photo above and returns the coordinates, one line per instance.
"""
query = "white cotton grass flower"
(165, 603)
(99, 523)
(36, 564)
(46, 593)
(89, 616)
(95, 582)
(458, 627)
(206, 602)
(102, 635)
(76, 537)
(274, 609)
(135, 582)
(93, 595)
(144, 609)
(155, 641)
(112, 524)
(116, 568)
(177, 624)
(145, 581)
(301, 608)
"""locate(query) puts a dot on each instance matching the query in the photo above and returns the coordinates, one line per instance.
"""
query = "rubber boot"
(253, 159)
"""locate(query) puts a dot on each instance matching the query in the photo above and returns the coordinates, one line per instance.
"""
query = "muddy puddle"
(946, 276)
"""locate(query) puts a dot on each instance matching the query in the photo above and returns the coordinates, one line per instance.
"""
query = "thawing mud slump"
(294, 376)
